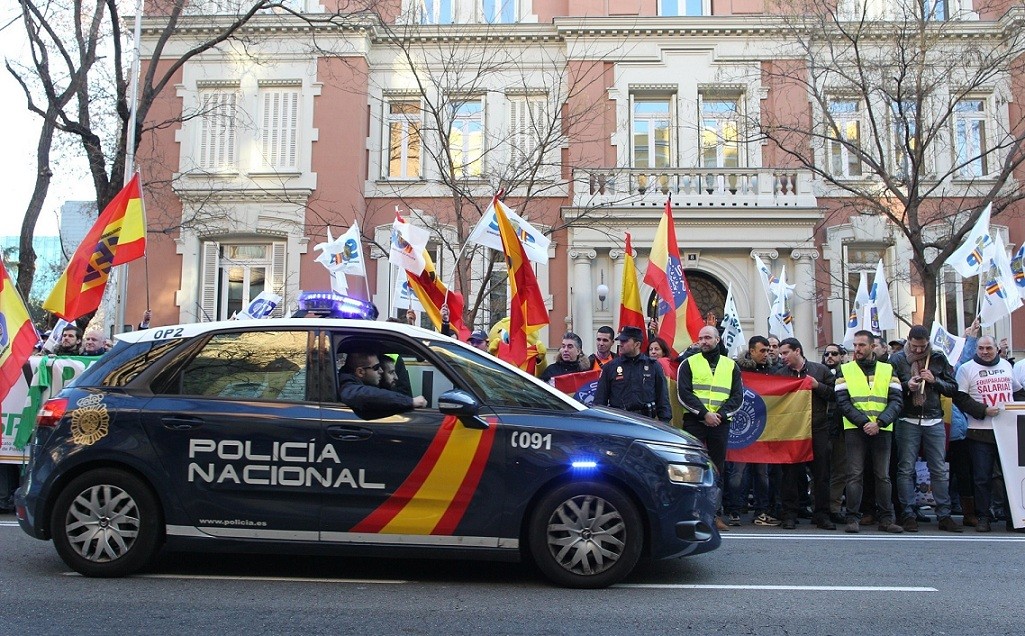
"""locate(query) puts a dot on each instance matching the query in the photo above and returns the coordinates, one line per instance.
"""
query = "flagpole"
(122, 278)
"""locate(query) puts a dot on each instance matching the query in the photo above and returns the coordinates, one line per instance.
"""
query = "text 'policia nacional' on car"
(230, 436)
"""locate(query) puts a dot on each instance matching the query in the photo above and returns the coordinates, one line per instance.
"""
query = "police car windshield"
(494, 384)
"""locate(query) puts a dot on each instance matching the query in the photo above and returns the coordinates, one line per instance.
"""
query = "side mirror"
(462, 405)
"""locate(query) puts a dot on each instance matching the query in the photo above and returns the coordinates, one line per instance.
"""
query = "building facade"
(588, 114)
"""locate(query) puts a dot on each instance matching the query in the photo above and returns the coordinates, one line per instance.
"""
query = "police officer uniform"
(636, 384)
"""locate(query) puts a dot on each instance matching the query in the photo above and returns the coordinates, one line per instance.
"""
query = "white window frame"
(979, 167)
(683, 7)
(408, 123)
(217, 131)
(898, 131)
(842, 120)
(212, 287)
(280, 112)
(653, 120)
(965, 314)
(461, 122)
(721, 121)
(500, 11)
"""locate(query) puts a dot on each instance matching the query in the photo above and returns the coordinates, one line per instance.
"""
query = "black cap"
(480, 336)
(900, 342)
(631, 332)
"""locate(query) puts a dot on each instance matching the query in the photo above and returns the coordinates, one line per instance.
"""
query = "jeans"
(794, 478)
(736, 491)
(932, 440)
(984, 456)
(860, 445)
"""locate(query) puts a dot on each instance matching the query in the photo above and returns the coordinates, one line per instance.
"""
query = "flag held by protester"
(998, 288)
(487, 233)
(343, 254)
(855, 322)
(580, 385)
(733, 334)
(630, 312)
(434, 295)
(681, 319)
(947, 343)
(527, 312)
(972, 256)
(879, 297)
(117, 237)
(774, 424)
(407, 245)
(781, 321)
(1018, 271)
(18, 335)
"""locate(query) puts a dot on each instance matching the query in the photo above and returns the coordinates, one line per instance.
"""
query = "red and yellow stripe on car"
(434, 497)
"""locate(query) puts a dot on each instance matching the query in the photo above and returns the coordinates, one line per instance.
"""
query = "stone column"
(759, 304)
(803, 301)
(616, 297)
(583, 292)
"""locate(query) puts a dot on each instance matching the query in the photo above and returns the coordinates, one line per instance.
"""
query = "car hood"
(654, 430)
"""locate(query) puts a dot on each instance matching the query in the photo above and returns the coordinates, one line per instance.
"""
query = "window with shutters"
(235, 273)
(279, 127)
(403, 150)
(466, 138)
(217, 130)
(528, 121)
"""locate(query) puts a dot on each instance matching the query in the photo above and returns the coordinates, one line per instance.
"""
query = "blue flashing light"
(332, 305)
(584, 464)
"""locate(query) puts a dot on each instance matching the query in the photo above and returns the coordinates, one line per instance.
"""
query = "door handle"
(349, 433)
(181, 422)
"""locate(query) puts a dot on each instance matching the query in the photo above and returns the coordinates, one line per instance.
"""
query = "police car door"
(412, 478)
(237, 423)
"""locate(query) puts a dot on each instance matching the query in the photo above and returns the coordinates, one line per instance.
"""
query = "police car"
(229, 436)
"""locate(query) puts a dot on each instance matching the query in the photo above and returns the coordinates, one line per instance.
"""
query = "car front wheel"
(106, 523)
(585, 535)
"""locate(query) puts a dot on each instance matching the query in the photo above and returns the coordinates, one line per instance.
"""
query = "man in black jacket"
(925, 375)
(358, 388)
(571, 358)
(634, 382)
(795, 365)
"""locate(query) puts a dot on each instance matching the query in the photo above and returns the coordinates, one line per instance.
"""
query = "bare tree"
(909, 116)
(77, 82)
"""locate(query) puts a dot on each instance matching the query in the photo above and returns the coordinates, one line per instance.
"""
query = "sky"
(20, 135)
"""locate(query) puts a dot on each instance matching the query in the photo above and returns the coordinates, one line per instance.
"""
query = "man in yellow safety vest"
(870, 397)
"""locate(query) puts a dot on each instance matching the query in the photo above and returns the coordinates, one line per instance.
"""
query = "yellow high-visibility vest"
(870, 400)
(712, 389)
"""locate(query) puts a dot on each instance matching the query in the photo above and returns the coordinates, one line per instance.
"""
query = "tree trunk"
(928, 276)
(26, 253)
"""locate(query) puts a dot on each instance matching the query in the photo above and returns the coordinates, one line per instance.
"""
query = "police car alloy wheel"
(105, 523)
(585, 535)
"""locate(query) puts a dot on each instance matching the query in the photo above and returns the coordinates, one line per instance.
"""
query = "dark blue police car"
(230, 436)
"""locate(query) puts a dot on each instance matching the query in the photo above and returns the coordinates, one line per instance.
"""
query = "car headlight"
(686, 473)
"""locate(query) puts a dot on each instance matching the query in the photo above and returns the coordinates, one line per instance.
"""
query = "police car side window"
(256, 365)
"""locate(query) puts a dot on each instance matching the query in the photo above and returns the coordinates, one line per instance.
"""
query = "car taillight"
(52, 412)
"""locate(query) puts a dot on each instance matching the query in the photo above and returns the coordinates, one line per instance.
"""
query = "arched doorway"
(705, 289)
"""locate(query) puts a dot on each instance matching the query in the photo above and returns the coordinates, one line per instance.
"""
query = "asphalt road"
(762, 581)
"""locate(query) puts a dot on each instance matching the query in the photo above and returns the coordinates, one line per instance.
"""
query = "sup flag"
(117, 237)
(1000, 297)
(487, 232)
(580, 385)
(407, 245)
(343, 254)
(733, 333)
(774, 424)
(405, 297)
(436, 494)
(1018, 270)
(971, 258)
(260, 307)
(946, 342)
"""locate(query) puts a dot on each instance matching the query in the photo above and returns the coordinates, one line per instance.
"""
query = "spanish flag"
(527, 312)
(774, 425)
(433, 295)
(117, 237)
(17, 334)
(630, 312)
(681, 319)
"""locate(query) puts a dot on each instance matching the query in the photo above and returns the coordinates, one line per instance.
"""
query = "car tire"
(585, 535)
(106, 523)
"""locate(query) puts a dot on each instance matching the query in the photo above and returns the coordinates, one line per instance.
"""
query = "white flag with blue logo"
(733, 334)
(406, 250)
(404, 296)
(486, 233)
(997, 287)
(854, 319)
(344, 254)
(260, 307)
(947, 343)
(781, 321)
(1018, 271)
(879, 297)
(972, 257)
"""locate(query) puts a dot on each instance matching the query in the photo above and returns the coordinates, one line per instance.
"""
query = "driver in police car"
(359, 388)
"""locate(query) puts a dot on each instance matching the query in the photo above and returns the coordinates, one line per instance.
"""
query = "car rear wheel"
(106, 523)
(585, 535)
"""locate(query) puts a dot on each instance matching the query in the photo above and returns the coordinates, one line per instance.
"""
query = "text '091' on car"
(323, 435)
